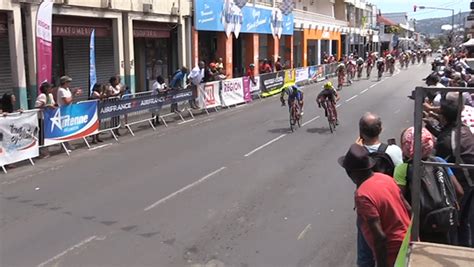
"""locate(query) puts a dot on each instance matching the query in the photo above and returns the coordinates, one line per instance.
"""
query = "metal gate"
(6, 82)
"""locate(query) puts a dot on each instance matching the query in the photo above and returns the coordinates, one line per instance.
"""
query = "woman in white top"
(44, 100)
(99, 92)
(158, 88)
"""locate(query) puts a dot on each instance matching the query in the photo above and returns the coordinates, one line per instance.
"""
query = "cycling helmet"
(328, 85)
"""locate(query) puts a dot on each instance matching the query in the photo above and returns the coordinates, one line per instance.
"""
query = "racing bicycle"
(295, 116)
(331, 114)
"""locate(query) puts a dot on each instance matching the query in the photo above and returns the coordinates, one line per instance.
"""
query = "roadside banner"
(316, 73)
(255, 87)
(44, 45)
(232, 92)
(208, 95)
(272, 83)
(301, 75)
(92, 72)
(128, 104)
(289, 77)
(70, 122)
(18, 137)
(247, 90)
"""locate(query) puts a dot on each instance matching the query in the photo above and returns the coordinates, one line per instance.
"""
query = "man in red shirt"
(381, 208)
(251, 73)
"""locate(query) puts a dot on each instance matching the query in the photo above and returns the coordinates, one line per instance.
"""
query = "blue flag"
(92, 72)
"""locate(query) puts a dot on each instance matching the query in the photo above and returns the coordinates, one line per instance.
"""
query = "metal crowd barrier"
(138, 117)
(420, 94)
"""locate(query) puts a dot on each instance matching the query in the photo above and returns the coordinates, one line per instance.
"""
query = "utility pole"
(452, 18)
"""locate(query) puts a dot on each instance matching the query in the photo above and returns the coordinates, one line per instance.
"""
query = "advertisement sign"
(289, 77)
(272, 81)
(301, 75)
(247, 89)
(70, 122)
(316, 73)
(255, 87)
(92, 72)
(108, 109)
(18, 137)
(44, 45)
(230, 17)
(232, 92)
(208, 95)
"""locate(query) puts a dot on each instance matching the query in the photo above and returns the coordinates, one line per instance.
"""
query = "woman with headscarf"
(402, 176)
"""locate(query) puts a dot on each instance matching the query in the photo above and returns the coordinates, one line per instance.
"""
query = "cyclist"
(294, 93)
(341, 73)
(328, 93)
(360, 66)
(380, 67)
(369, 63)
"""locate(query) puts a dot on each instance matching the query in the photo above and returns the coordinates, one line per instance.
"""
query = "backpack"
(383, 162)
(438, 213)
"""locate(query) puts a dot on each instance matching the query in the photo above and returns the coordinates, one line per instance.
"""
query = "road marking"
(303, 233)
(363, 91)
(189, 186)
(99, 147)
(351, 98)
(310, 121)
(373, 85)
(78, 245)
(264, 145)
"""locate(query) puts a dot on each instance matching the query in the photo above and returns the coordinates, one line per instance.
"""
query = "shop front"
(71, 39)
(320, 42)
(356, 44)
(240, 34)
(6, 82)
(154, 54)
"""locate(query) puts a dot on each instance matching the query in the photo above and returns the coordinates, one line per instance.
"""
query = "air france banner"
(110, 109)
(234, 16)
(232, 92)
(70, 122)
(18, 137)
(208, 95)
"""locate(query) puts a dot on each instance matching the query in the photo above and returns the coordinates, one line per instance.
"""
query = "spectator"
(446, 136)
(44, 100)
(266, 67)
(99, 92)
(261, 66)
(278, 65)
(382, 211)
(195, 77)
(220, 65)
(402, 179)
(114, 91)
(159, 88)
(467, 114)
(370, 128)
(8, 104)
(251, 73)
(65, 97)
(177, 83)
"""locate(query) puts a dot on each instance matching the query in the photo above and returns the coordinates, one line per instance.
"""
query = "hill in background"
(432, 26)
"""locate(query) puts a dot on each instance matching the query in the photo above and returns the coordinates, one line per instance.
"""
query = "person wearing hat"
(251, 73)
(278, 65)
(64, 95)
(382, 211)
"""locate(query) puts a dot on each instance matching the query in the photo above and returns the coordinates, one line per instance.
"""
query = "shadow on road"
(321, 130)
(280, 130)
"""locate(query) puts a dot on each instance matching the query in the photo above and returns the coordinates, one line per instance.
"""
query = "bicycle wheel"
(330, 125)
(292, 122)
(299, 121)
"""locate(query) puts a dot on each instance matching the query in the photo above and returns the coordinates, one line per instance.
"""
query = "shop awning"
(468, 43)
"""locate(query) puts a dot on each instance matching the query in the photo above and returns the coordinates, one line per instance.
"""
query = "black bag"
(383, 162)
(438, 212)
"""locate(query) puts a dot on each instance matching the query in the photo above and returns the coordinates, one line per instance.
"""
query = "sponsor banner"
(316, 73)
(232, 92)
(114, 108)
(301, 75)
(230, 16)
(18, 137)
(92, 71)
(255, 87)
(289, 77)
(247, 89)
(208, 95)
(70, 122)
(44, 45)
(271, 83)
(330, 69)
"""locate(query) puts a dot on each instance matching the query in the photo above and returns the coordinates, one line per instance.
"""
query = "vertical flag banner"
(92, 72)
(44, 45)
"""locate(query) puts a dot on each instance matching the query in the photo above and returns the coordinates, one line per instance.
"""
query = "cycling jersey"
(298, 96)
(325, 94)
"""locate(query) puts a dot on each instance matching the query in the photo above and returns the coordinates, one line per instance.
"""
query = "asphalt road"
(231, 189)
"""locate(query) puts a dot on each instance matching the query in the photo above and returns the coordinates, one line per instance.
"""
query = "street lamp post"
(452, 19)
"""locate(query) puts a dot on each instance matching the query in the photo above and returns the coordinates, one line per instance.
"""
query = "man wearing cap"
(65, 95)
(381, 208)
(251, 73)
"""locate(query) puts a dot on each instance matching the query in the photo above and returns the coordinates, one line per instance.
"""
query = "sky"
(388, 6)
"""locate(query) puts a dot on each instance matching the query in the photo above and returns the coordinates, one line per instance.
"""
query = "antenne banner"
(18, 137)
(44, 45)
